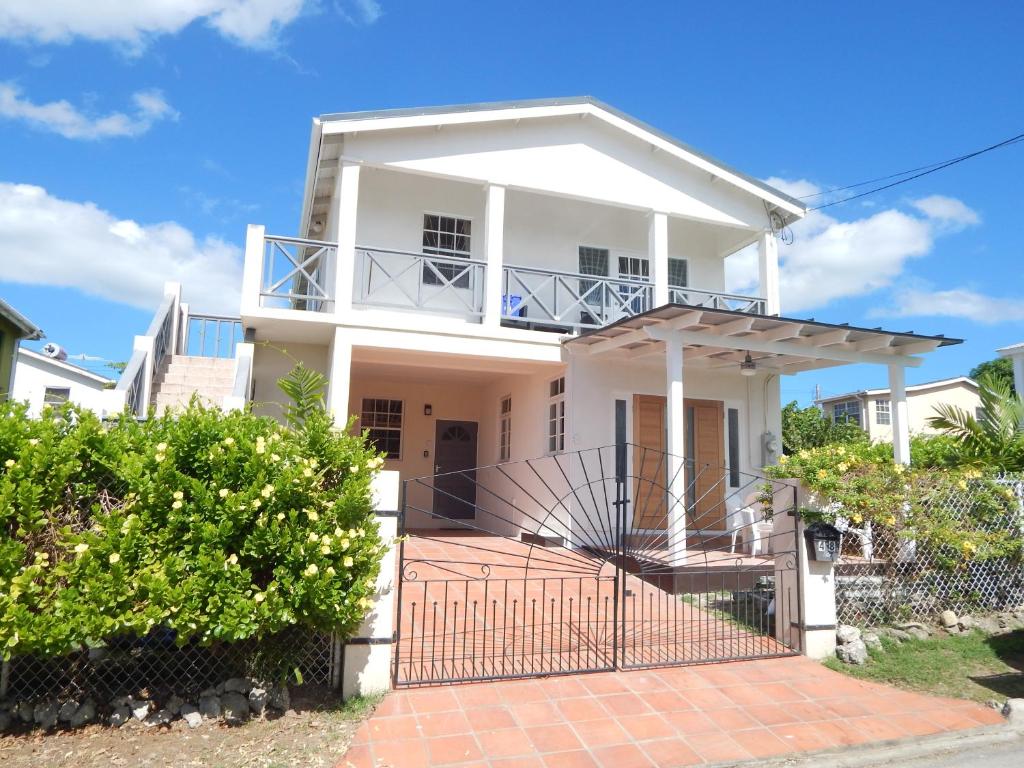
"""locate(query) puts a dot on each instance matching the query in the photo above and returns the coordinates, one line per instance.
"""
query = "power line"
(923, 170)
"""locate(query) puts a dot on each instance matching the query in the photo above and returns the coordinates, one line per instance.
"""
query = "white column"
(1018, 373)
(339, 376)
(675, 418)
(768, 267)
(252, 269)
(657, 249)
(347, 202)
(900, 416)
(494, 252)
(366, 668)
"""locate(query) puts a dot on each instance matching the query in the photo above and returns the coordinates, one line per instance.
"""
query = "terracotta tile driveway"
(665, 717)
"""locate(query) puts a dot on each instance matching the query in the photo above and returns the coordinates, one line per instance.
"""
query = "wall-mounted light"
(428, 409)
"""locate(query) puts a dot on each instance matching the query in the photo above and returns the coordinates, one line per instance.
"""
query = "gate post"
(366, 658)
(805, 590)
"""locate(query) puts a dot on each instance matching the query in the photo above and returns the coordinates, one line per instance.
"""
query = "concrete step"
(194, 361)
(209, 390)
(196, 380)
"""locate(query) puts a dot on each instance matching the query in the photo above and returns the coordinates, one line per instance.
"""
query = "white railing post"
(252, 269)
(181, 343)
(366, 658)
(174, 290)
(494, 251)
(145, 344)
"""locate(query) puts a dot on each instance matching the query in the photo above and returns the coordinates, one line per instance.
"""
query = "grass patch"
(968, 666)
(358, 707)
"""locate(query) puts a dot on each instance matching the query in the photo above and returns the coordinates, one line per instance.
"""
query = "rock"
(238, 685)
(967, 622)
(139, 708)
(119, 716)
(84, 714)
(948, 619)
(120, 701)
(25, 711)
(45, 714)
(279, 698)
(174, 704)
(1013, 711)
(845, 633)
(988, 625)
(219, 689)
(235, 708)
(872, 641)
(258, 700)
(67, 711)
(899, 635)
(208, 692)
(854, 652)
(5, 720)
(191, 715)
(209, 707)
(160, 717)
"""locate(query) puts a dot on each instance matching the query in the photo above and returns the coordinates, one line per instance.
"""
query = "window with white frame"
(556, 415)
(677, 273)
(635, 268)
(846, 411)
(883, 411)
(56, 395)
(505, 429)
(592, 261)
(382, 419)
(447, 236)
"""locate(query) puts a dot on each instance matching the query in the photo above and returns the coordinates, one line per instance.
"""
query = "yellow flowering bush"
(215, 526)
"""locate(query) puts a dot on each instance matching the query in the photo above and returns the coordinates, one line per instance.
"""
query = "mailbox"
(823, 542)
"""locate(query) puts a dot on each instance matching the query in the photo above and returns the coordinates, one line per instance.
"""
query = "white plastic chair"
(746, 518)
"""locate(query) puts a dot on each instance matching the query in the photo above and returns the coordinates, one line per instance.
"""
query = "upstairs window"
(383, 421)
(635, 268)
(592, 261)
(56, 395)
(677, 273)
(883, 412)
(505, 429)
(446, 236)
(556, 415)
(846, 411)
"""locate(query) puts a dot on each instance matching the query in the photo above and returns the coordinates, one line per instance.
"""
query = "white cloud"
(831, 259)
(55, 242)
(252, 23)
(956, 302)
(63, 118)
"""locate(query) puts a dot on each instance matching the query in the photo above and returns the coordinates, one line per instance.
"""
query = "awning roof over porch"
(720, 338)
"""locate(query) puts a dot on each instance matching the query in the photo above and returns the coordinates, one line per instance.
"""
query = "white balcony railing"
(296, 273)
(714, 300)
(429, 283)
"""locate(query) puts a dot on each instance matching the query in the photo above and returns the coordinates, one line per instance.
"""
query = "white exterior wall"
(32, 376)
(920, 407)
(270, 364)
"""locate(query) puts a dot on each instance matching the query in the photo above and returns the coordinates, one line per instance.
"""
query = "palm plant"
(996, 439)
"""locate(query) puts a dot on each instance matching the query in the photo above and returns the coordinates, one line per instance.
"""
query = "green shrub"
(217, 526)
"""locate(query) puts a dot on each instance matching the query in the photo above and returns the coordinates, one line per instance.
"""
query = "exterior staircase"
(182, 376)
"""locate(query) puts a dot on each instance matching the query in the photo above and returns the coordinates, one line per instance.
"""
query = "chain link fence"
(886, 578)
(155, 667)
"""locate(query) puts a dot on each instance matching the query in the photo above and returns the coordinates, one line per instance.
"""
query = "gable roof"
(409, 117)
(63, 366)
(28, 329)
(938, 384)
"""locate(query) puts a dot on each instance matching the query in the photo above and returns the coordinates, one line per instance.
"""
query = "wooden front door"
(705, 445)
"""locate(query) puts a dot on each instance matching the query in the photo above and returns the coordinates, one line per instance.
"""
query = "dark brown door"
(455, 470)
(705, 445)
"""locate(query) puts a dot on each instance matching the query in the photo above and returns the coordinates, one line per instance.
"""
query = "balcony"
(301, 274)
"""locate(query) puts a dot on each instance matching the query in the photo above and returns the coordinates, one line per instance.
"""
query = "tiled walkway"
(667, 717)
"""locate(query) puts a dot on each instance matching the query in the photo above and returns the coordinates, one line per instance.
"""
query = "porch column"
(675, 418)
(657, 249)
(347, 202)
(252, 270)
(338, 376)
(768, 267)
(494, 242)
(900, 417)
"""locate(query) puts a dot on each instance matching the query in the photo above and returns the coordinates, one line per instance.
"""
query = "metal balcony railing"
(209, 335)
(714, 300)
(426, 282)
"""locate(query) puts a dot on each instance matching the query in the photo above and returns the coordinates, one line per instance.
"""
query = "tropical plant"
(996, 439)
(304, 387)
(804, 428)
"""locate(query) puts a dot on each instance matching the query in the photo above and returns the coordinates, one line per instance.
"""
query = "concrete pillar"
(1018, 373)
(242, 381)
(252, 269)
(657, 249)
(494, 252)
(339, 376)
(347, 202)
(805, 590)
(768, 268)
(675, 421)
(366, 657)
(900, 416)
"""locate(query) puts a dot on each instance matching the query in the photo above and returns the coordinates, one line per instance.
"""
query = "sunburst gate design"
(571, 563)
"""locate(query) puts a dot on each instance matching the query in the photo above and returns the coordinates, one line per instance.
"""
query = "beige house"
(872, 408)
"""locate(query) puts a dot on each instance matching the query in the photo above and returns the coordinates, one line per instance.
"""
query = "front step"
(184, 376)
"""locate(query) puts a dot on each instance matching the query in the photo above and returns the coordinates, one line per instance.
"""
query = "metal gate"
(577, 562)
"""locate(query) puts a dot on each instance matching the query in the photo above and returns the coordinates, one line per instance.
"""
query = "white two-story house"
(495, 282)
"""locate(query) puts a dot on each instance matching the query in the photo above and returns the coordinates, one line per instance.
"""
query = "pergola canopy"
(721, 338)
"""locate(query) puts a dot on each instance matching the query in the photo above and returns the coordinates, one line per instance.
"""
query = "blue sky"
(149, 137)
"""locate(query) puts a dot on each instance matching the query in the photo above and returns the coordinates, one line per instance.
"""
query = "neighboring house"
(496, 282)
(871, 409)
(1016, 354)
(43, 379)
(14, 327)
